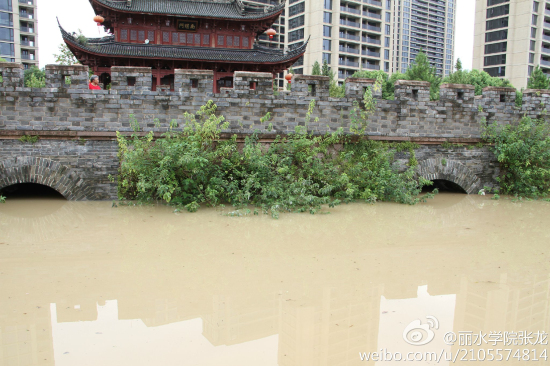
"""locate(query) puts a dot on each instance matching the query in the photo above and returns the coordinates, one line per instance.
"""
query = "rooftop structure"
(182, 34)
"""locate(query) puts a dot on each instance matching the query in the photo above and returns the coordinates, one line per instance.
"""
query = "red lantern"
(288, 78)
(271, 32)
(99, 19)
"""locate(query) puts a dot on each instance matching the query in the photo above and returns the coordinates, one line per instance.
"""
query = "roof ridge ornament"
(129, 3)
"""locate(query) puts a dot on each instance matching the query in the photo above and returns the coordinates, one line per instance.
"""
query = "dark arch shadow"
(30, 190)
(47, 172)
(451, 171)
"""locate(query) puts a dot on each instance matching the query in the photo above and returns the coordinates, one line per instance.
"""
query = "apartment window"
(327, 17)
(7, 49)
(6, 19)
(533, 32)
(388, 16)
(386, 54)
(498, 11)
(296, 9)
(387, 29)
(534, 20)
(327, 31)
(388, 4)
(535, 6)
(295, 45)
(6, 34)
(296, 22)
(387, 42)
(5, 5)
(328, 4)
(531, 58)
(327, 45)
(495, 47)
(296, 35)
(326, 57)
(532, 46)
(494, 60)
(496, 2)
(496, 36)
(386, 66)
(497, 23)
(530, 70)
(496, 71)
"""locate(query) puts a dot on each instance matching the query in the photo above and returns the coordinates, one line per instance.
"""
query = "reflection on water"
(87, 284)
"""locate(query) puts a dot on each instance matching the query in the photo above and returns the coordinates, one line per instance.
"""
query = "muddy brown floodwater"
(82, 283)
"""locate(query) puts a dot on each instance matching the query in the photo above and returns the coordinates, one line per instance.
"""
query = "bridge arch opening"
(449, 175)
(444, 185)
(30, 190)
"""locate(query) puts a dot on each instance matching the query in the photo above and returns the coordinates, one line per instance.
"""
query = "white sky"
(78, 14)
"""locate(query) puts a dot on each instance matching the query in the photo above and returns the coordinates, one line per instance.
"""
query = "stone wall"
(77, 151)
(63, 107)
(78, 169)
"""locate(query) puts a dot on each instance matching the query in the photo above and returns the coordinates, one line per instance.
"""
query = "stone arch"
(46, 172)
(453, 171)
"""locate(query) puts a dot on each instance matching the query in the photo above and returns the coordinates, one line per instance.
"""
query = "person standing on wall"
(94, 83)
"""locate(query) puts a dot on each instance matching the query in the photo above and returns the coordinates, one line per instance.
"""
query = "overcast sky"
(78, 14)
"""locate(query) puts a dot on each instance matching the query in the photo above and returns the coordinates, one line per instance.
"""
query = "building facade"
(19, 32)
(353, 35)
(511, 38)
(222, 36)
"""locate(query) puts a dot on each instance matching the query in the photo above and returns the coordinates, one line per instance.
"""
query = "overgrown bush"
(35, 77)
(523, 151)
(479, 79)
(296, 173)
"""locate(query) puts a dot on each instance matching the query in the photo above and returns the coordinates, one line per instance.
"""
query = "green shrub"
(296, 173)
(29, 139)
(523, 152)
(35, 77)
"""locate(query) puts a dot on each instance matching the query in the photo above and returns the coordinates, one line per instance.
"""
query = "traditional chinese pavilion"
(218, 35)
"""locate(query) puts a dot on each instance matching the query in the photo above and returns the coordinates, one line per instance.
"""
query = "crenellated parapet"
(12, 75)
(66, 103)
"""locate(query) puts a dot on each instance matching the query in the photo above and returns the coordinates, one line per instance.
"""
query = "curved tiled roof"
(221, 9)
(108, 47)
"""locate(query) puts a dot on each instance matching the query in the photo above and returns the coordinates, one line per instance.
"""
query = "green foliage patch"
(299, 172)
(523, 151)
(29, 139)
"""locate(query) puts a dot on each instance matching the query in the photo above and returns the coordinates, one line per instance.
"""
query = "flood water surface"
(82, 283)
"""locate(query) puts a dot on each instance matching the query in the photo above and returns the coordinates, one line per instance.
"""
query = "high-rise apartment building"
(511, 38)
(352, 35)
(18, 32)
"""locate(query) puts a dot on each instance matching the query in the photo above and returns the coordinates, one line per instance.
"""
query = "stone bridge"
(76, 150)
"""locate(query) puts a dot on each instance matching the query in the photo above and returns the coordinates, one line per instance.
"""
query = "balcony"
(372, 15)
(372, 28)
(350, 36)
(371, 66)
(348, 63)
(350, 10)
(546, 37)
(370, 53)
(26, 15)
(26, 29)
(546, 24)
(545, 63)
(371, 40)
(373, 2)
(30, 56)
(349, 23)
(547, 11)
(349, 50)
(26, 2)
(27, 43)
(545, 50)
